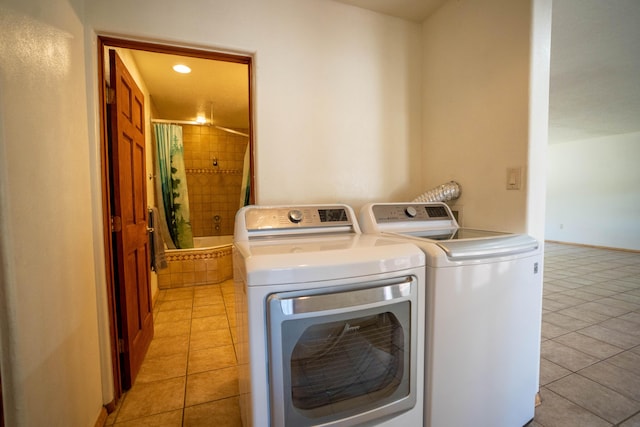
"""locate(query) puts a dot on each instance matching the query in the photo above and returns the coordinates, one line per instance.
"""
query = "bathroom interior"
(210, 107)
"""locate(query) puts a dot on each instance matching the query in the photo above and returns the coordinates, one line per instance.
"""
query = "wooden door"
(129, 219)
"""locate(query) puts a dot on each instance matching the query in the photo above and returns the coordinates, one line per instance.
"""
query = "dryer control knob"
(295, 216)
(411, 211)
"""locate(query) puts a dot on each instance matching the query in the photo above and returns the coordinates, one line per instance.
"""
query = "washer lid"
(490, 247)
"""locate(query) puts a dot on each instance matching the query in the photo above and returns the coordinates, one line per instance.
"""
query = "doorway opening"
(212, 106)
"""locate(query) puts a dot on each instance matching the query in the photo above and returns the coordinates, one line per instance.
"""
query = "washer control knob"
(295, 216)
(411, 211)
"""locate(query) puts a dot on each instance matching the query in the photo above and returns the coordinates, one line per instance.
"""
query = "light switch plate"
(514, 178)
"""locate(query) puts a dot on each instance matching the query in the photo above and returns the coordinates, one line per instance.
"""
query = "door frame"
(111, 274)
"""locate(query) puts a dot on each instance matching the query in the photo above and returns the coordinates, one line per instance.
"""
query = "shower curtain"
(173, 183)
(245, 189)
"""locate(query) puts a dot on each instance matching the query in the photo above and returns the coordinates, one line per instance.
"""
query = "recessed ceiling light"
(181, 68)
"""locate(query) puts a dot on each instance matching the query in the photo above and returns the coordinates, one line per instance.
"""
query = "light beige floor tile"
(566, 357)
(170, 329)
(177, 304)
(588, 345)
(166, 419)
(549, 330)
(211, 385)
(552, 305)
(579, 312)
(619, 303)
(628, 360)
(582, 294)
(164, 346)
(207, 300)
(171, 316)
(598, 399)
(209, 323)
(212, 338)
(209, 310)
(551, 288)
(632, 422)
(628, 297)
(621, 325)
(566, 322)
(565, 301)
(162, 368)
(624, 382)
(220, 413)
(234, 335)
(632, 317)
(556, 411)
(619, 339)
(146, 399)
(181, 293)
(597, 290)
(211, 358)
(550, 372)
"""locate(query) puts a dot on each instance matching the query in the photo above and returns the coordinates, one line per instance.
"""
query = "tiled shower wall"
(214, 190)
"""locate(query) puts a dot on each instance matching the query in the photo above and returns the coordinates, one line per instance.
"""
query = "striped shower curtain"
(172, 183)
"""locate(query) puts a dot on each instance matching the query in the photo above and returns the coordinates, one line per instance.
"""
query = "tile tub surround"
(214, 190)
(589, 374)
(197, 267)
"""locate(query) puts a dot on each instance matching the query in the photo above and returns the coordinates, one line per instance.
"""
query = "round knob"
(411, 211)
(295, 216)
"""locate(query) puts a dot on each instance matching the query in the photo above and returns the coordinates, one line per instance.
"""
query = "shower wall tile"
(214, 191)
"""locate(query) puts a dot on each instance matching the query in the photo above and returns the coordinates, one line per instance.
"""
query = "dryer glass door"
(342, 355)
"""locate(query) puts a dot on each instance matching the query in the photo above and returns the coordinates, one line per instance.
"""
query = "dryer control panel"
(274, 220)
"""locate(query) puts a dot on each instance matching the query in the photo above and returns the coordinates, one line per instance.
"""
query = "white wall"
(337, 114)
(593, 194)
(476, 59)
(48, 317)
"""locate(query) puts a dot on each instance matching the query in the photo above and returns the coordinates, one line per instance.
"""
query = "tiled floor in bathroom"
(590, 357)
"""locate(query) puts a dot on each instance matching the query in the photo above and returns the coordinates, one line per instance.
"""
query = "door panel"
(130, 205)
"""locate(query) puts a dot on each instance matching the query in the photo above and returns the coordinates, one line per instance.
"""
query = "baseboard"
(583, 245)
(102, 417)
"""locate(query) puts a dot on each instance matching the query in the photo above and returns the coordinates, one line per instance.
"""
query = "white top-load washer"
(330, 321)
(484, 308)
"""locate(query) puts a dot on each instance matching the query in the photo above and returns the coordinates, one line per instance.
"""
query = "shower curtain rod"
(193, 122)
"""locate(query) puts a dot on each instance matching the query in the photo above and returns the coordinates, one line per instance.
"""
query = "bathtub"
(207, 263)
(210, 242)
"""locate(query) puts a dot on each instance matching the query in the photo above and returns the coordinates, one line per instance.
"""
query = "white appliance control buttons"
(295, 216)
(411, 211)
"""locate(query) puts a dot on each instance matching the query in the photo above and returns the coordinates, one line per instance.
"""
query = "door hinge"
(120, 346)
(116, 224)
(110, 94)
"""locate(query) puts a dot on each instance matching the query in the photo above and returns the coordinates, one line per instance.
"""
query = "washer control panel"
(274, 218)
(411, 212)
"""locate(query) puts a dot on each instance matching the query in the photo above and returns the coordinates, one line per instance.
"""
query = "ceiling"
(595, 69)
(411, 10)
(216, 90)
(594, 86)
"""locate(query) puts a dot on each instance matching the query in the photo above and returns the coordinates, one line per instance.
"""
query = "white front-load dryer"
(484, 308)
(330, 321)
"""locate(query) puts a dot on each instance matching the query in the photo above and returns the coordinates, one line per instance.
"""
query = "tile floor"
(590, 349)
